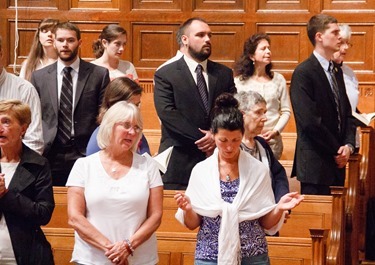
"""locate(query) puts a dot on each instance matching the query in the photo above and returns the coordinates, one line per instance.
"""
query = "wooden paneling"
(95, 4)
(221, 5)
(282, 5)
(152, 26)
(160, 5)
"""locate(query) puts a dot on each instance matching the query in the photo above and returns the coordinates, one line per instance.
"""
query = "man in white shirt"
(14, 87)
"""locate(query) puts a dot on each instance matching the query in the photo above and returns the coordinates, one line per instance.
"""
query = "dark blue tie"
(66, 107)
(336, 93)
(202, 87)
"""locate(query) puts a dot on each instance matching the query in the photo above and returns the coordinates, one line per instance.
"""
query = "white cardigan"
(254, 199)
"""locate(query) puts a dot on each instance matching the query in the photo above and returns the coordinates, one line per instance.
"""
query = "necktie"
(202, 87)
(335, 90)
(66, 107)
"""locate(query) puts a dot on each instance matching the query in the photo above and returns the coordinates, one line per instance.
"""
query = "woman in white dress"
(108, 49)
(253, 72)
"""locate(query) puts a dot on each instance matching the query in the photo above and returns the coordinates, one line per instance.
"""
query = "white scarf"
(254, 199)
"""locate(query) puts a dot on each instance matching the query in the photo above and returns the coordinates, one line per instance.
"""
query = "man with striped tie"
(71, 92)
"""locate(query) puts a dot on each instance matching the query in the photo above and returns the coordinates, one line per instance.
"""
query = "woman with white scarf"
(230, 197)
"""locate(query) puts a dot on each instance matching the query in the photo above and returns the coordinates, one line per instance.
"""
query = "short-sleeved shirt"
(117, 208)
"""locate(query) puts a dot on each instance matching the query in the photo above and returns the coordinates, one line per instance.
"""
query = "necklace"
(227, 178)
(113, 170)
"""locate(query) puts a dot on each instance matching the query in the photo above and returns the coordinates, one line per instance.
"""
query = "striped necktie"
(202, 87)
(336, 93)
(66, 107)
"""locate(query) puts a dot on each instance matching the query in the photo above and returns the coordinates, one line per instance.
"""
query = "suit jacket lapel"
(325, 82)
(83, 75)
(51, 78)
(190, 82)
(212, 80)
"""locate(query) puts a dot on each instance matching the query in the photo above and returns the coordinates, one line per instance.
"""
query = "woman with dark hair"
(253, 72)
(119, 89)
(231, 185)
(26, 194)
(108, 49)
(42, 51)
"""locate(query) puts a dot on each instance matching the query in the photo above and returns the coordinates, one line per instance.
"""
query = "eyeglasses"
(348, 44)
(127, 126)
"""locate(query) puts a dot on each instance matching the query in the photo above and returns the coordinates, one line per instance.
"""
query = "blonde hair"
(119, 112)
(16, 109)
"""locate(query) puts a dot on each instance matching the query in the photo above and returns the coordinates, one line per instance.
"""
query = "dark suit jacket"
(280, 183)
(27, 205)
(92, 81)
(318, 136)
(181, 111)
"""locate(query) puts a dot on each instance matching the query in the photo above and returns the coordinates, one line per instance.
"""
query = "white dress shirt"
(14, 87)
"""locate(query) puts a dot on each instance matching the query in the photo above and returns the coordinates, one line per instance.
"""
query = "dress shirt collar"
(323, 61)
(193, 64)
(74, 65)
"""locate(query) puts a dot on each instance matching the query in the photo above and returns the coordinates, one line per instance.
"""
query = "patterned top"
(252, 236)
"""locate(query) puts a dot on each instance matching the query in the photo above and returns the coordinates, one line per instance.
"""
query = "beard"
(201, 55)
(70, 57)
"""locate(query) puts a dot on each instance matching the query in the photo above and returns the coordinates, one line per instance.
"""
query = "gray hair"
(119, 112)
(345, 31)
(248, 99)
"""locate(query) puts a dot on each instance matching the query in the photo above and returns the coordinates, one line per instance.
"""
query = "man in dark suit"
(325, 130)
(70, 102)
(183, 99)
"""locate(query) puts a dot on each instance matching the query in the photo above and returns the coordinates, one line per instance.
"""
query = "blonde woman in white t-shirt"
(253, 72)
(115, 196)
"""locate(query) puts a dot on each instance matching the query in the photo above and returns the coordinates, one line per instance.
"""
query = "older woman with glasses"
(350, 79)
(115, 195)
(254, 108)
(119, 89)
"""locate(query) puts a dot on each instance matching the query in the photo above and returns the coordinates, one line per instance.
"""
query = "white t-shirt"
(117, 208)
(6, 248)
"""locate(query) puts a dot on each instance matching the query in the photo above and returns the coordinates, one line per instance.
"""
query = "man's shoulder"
(216, 65)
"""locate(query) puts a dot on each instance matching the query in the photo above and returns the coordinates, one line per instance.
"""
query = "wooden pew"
(176, 244)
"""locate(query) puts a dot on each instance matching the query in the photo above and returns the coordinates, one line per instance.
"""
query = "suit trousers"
(62, 158)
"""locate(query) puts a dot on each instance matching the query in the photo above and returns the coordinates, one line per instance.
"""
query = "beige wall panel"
(348, 5)
(159, 5)
(95, 4)
(279, 5)
(222, 5)
(366, 102)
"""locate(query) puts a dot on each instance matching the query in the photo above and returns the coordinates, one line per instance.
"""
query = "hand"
(206, 144)
(117, 253)
(342, 156)
(270, 135)
(289, 201)
(3, 189)
(183, 201)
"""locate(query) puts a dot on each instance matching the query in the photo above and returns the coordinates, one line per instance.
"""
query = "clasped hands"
(3, 189)
(206, 144)
(117, 253)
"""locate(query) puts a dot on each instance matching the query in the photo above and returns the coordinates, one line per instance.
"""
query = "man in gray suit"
(71, 92)
(183, 107)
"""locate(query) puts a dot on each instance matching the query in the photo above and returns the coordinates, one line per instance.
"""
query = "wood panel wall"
(152, 26)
